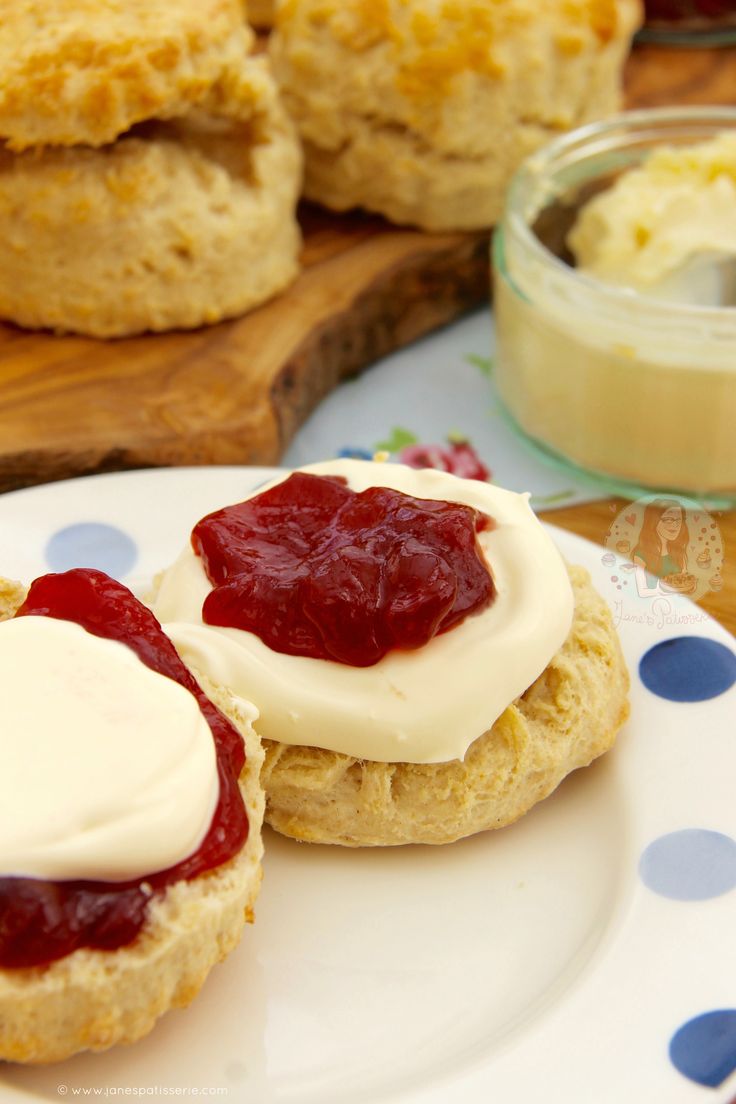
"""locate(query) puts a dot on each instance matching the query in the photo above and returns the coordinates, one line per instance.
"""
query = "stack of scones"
(148, 172)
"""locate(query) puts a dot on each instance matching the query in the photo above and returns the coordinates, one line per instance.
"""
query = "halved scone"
(143, 944)
(330, 598)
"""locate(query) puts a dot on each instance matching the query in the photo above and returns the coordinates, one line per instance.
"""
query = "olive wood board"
(238, 391)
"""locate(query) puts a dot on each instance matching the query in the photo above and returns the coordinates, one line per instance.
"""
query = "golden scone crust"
(261, 12)
(92, 1000)
(422, 109)
(84, 71)
(172, 226)
(567, 718)
(12, 595)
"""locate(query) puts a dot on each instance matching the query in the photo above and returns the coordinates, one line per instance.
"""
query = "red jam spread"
(316, 569)
(43, 921)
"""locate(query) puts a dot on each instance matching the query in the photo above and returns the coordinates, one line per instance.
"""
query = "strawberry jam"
(316, 569)
(42, 921)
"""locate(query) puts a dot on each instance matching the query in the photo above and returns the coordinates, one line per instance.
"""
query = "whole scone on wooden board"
(94, 999)
(421, 110)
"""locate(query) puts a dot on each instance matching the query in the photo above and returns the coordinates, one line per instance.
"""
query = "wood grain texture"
(659, 75)
(236, 392)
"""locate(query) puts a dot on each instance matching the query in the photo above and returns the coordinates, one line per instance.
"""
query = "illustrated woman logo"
(672, 547)
(662, 546)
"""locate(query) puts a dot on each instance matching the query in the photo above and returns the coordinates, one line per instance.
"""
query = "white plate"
(530, 964)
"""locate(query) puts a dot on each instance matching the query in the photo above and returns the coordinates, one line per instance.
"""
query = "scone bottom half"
(324, 780)
(115, 984)
(566, 719)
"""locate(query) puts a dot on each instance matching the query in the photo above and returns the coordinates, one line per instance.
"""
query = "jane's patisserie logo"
(660, 547)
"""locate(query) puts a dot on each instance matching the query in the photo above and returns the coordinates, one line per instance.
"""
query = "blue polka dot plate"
(585, 955)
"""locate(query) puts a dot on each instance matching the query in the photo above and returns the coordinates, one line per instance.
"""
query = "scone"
(567, 718)
(131, 820)
(150, 174)
(261, 12)
(424, 664)
(82, 72)
(422, 109)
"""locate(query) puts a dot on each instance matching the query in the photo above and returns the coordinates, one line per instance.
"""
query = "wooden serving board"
(237, 392)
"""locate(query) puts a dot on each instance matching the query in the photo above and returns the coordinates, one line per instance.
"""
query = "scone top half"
(81, 72)
(456, 73)
(422, 703)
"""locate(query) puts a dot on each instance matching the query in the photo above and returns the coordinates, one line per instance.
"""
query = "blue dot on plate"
(91, 544)
(691, 865)
(704, 1049)
(688, 669)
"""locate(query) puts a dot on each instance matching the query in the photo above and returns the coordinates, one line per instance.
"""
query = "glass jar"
(636, 392)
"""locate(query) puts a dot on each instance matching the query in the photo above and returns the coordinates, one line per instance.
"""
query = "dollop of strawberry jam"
(316, 569)
(42, 921)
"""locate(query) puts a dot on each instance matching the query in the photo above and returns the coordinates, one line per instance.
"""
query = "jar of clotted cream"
(634, 390)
